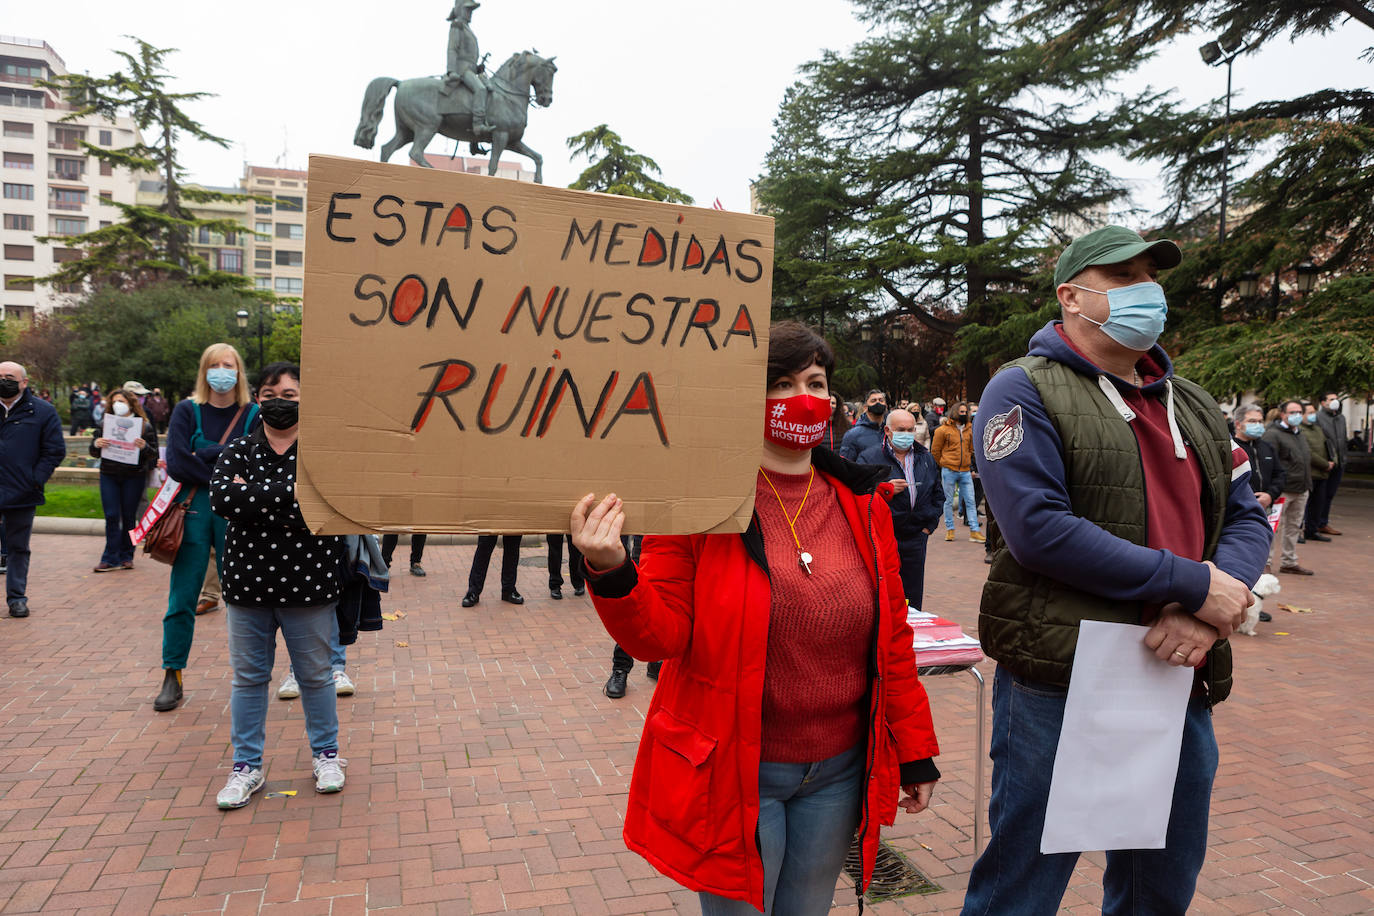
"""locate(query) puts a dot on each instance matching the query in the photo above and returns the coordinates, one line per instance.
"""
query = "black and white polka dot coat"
(270, 557)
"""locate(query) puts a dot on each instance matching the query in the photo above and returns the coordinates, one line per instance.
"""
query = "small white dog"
(1266, 586)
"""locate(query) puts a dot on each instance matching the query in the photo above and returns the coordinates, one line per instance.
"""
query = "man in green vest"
(1117, 495)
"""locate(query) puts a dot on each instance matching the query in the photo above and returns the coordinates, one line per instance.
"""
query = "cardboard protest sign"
(479, 353)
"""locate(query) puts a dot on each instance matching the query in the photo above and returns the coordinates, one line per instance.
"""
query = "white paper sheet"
(1114, 770)
(121, 433)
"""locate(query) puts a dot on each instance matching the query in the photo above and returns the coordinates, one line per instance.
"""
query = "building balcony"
(64, 144)
(63, 205)
(63, 176)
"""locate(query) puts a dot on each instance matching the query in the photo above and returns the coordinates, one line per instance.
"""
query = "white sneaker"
(342, 685)
(289, 689)
(329, 775)
(243, 782)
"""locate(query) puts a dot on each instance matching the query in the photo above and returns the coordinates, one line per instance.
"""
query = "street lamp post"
(1214, 53)
(241, 318)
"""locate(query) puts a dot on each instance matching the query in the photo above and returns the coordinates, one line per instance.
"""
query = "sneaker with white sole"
(329, 776)
(289, 689)
(342, 685)
(243, 782)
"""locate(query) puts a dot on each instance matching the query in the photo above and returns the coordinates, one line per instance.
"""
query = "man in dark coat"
(917, 498)
(31, 448)
(868, 430)
(1267, 477)
(1285, 435)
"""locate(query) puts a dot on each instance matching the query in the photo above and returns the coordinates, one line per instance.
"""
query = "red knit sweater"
(820, 626)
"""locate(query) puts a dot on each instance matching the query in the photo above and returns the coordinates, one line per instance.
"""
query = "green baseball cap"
(1112, 245)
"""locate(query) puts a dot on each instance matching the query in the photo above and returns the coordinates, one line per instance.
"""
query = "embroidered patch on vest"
(1003, 434)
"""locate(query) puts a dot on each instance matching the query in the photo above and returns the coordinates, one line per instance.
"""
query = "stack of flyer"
(941, 642)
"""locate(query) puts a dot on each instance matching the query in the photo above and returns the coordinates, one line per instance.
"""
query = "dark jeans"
(1013, 878)
(1333, 483)
(1317, 498)
(510, 558)
(913, 556)
(119, 497)
(18, 526)
(417, 547)
(555, 542)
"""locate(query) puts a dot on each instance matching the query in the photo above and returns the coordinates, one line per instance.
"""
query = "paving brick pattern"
(487, 773)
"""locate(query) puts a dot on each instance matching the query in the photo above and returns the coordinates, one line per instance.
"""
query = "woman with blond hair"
(218, 411)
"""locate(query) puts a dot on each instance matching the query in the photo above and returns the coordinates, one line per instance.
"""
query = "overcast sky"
(695, 87)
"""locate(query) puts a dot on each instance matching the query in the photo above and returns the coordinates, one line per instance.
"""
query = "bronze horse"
(419, 116)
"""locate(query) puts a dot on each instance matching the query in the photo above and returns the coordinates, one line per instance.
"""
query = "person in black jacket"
(918, 498)
(1267, 477)
(1285, 435)
(31, 448)
(868, 430)
(121, 483)
(276, 575)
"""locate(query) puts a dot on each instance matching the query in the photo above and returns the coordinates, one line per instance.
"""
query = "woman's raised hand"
(596, 531)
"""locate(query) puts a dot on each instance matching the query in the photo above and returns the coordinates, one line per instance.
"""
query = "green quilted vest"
(1028, 621)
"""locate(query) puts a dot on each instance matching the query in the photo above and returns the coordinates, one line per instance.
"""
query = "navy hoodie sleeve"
(1245, 534)
(183, 465)
(1028, 495)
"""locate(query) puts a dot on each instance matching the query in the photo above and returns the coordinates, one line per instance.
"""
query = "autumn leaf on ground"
(1295, 610)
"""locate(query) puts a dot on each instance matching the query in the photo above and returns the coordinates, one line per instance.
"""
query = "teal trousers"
(203, 530)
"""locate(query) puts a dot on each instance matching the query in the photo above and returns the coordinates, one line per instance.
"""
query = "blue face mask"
(1136, 314)
(903, 441)
(1254, 430)
(222, 380)
(1294, 420)
(1312, 417)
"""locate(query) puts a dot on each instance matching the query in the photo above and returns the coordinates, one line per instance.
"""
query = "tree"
(150, 243)
(934, 167)
(42, 348)
(155, 334)
(617, 169)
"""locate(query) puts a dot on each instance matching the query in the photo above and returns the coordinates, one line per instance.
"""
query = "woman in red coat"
(788, 711)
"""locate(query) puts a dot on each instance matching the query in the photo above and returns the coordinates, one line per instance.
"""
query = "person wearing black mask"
(276, 576)
(31, 448)
(868, 431)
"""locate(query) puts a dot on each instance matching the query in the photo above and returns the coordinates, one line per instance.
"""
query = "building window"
(231, 260)
(63, 255)
(68, 169)
(26, 70)
(68, 226)
(288, 286)
(288, 184)
(105, 224)
(262, 283)
(21, 282)
(18, 191)
(67, 137)
(262, 209)
(21, 221)
(106, 169)
(266, 182)
(293, 231)
(262, 227)
(18, 252)
(106, 138)
(203, 236)
(20, 98)
(231, 238)
(68, 199)
(107, 198)
(290, 258)
(19, 160)
(21, 130)
(291, 204)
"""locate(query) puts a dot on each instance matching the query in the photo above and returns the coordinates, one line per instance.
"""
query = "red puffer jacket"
(701, 602)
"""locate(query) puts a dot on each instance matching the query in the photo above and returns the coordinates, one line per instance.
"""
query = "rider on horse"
(463, 64)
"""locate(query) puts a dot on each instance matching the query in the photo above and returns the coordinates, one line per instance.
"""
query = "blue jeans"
(960, 484)
(808, 813)
(310, 634)
(119, 497)
(1012, 877)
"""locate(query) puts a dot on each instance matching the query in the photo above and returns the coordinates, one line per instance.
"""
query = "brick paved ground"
(487, 772)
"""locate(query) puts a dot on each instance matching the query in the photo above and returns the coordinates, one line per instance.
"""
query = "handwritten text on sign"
(530, 313)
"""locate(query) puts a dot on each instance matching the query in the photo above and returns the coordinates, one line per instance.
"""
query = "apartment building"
(52, 186)
(277, 243)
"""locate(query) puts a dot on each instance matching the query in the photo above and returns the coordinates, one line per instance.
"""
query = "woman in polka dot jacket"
(277, 575)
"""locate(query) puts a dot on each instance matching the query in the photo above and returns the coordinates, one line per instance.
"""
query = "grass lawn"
(74, 501)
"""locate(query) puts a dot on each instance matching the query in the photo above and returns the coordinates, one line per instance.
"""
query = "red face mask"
(797, 422)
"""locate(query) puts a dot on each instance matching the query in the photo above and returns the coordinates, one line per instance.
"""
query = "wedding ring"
(1180, 653)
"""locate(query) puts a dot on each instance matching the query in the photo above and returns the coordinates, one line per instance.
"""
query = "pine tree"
(617, 169)
(934, 169)
(150, 243)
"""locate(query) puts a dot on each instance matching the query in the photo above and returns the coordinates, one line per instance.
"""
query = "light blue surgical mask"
(1136, 314)
(1312, 417)
(1254, 430)
(1294, 420)
(222, 380)
(903, 441)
